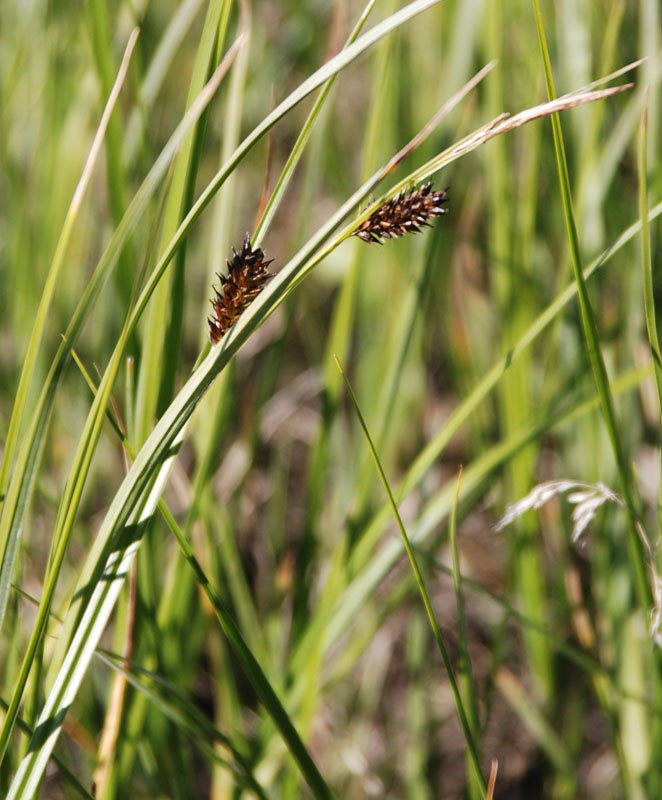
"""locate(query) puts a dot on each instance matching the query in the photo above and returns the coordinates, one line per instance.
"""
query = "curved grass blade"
(501, 124)
(92, 624)
(457, 697)
(282, 284)
(63, 528)
(53, 274)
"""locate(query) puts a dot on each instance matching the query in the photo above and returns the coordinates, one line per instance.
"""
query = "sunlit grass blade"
(104, 592)
(64, 771)
(457, 697)
(64, 525)
(92, 623)
(18, 408)
(60, 542)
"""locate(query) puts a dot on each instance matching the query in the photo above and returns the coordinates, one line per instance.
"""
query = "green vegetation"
(218, 577)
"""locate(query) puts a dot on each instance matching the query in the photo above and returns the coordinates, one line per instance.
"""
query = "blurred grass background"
(274, 486)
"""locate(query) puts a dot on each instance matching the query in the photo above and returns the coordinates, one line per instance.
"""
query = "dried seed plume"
(404, 213)
(247, 275)
(587, 499)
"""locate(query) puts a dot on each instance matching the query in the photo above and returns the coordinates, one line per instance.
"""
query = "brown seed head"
(404, 213)
(247, 275)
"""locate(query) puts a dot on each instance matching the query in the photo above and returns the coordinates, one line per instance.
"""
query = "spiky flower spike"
(404, 212)
(247, 274)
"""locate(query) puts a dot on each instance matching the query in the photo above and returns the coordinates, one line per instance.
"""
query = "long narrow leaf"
(635, 548)
(432, 619)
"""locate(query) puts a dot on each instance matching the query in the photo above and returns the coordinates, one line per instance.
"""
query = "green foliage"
(201, 590)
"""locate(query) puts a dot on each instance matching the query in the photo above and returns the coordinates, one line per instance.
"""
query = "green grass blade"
(459, 704)
(64, 524)
(635, 547)
(104, 592)
(647, 276)
(252, 669)
(18, 408)
(467, 680)
(101, 41)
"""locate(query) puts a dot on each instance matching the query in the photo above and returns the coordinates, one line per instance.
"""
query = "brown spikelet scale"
(406, 212)
(247, 274)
